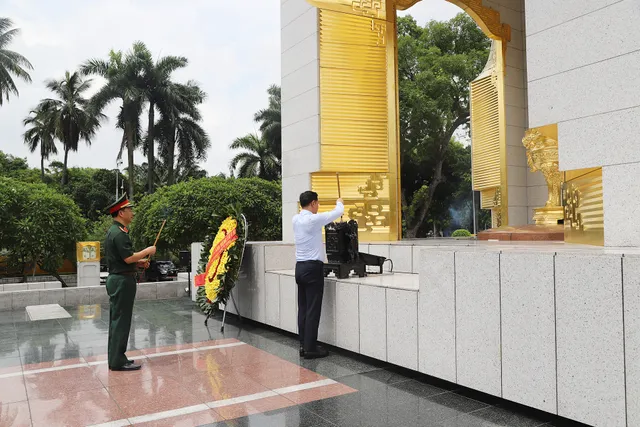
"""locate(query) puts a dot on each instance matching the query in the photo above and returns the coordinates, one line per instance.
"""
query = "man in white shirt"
(310, 255)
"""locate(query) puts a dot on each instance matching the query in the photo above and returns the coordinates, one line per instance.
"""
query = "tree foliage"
(18, 168)
(69, 114)
(192, 208)
(270, 121)
(261, 154)
(136, 80)
(256, 159)
(38, 224)
(41, 135)
(183, 142)
(92, 190)
(123, 74)
(436, 63)
(160, 93)
(11, 63)
(97, 231)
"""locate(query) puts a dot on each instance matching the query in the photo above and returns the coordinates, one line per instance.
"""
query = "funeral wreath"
(219, 264)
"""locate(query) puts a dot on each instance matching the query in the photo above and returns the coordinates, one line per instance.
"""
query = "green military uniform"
(121, 287)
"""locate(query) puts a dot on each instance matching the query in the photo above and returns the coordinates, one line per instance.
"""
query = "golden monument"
(542, 155)
(359, 129)
(359, 113)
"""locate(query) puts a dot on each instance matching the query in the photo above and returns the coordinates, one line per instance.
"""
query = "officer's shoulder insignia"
(124, 229)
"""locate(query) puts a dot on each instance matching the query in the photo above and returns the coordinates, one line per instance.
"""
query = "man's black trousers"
(310, 280)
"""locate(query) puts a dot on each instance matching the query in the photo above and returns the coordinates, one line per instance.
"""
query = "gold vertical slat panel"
(354, 82)
(488, 137)
(353, 57)
(340, 132)
(354, 159)
(584, 207)
(487, 198)
(485, 130)
(349, 107)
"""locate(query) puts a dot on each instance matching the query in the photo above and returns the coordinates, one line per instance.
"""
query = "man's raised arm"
(328, 217)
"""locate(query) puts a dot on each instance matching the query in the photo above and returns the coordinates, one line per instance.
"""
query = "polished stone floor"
(53, 373)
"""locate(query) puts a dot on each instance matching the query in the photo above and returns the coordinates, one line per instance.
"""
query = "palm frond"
(249, 142)
(95, 66)
(168, 64)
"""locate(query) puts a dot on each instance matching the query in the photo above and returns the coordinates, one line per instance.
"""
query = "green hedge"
(38, 223)
(194, 208)
(461, 233)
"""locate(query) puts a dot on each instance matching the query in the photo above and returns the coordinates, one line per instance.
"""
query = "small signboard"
(88, 251)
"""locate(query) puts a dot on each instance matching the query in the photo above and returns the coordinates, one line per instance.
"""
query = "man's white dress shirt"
(307, 232)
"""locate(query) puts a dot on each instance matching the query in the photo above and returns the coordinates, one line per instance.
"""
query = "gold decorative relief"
(365, 8)
(372, 212)
(572, 214)
(542, 156)
(496, 211)
(370, 8)
(380, 28)
(367, 199)
(584, 207)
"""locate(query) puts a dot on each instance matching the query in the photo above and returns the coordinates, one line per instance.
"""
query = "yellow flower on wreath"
(218, 268)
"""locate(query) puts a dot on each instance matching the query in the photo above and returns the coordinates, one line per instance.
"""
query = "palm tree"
(70, 113)
(257, 159)
(182, 172)
(271, 127)
(179, 129)
(11, 63)
(41, 133)
(160, 93)
(123, 74)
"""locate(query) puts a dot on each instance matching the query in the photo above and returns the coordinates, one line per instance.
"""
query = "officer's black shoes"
(128, 367)
(318, 353)
(129, 362)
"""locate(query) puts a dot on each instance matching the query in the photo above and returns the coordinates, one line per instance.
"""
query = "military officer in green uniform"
(121, 282)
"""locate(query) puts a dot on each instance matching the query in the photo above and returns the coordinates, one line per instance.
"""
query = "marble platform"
(545, 324)
(11, 299)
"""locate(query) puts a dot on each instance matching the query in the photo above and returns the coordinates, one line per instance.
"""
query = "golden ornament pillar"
(489, 136)
(488, 116)
(359, 132)
(542, 155)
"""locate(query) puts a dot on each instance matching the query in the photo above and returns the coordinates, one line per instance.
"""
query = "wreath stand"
(233, 300)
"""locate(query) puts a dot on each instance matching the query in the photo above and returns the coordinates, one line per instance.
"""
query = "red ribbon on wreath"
(216, 255)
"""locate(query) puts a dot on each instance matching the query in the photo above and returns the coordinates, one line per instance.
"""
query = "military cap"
(119, 204)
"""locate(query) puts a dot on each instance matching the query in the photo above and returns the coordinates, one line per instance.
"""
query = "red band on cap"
(119, 206)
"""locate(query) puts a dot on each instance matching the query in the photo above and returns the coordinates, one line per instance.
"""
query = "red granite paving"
(170, 390)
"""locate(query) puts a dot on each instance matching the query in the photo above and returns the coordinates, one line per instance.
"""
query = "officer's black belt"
(125, 273)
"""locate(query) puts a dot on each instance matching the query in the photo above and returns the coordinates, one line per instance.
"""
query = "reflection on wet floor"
(53, 372)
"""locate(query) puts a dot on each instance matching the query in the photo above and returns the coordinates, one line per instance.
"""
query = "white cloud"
(233, 49)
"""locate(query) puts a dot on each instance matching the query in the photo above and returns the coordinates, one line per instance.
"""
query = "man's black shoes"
(318, 353)
(127, 367)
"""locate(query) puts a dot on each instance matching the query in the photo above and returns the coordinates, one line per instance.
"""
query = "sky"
(233, 47)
